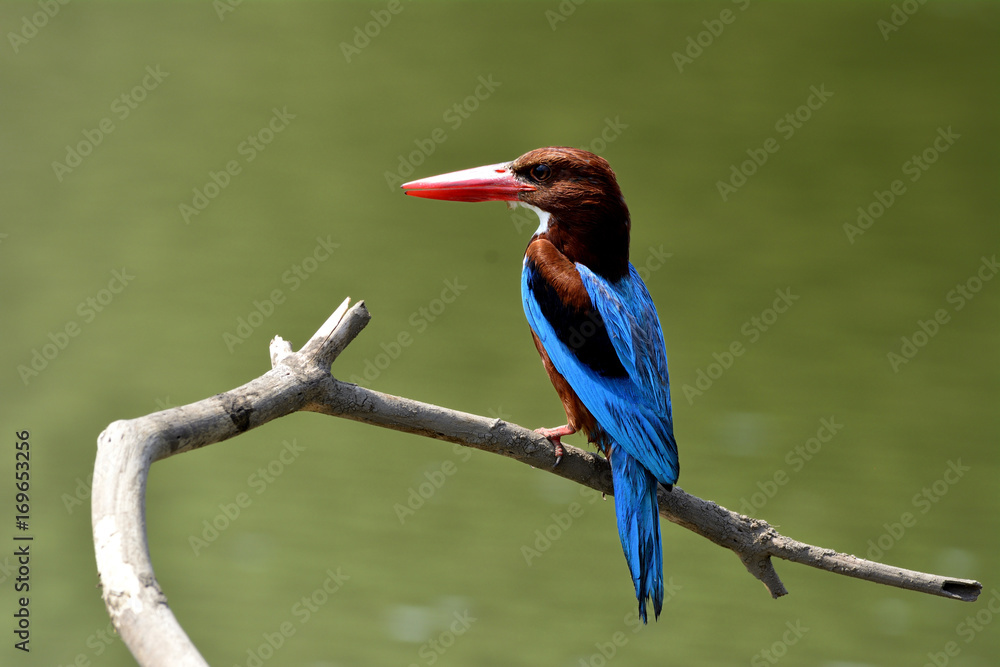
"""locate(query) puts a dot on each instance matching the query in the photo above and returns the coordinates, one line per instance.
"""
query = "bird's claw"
(554, 435)
(559, 452)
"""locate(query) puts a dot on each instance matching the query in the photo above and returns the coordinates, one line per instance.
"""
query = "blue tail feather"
(639, 527)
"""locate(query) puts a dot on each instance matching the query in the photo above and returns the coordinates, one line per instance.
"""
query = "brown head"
(574, 192)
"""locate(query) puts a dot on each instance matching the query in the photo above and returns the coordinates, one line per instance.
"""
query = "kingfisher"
(594, 326)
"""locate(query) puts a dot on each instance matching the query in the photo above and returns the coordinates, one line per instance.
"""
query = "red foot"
(555, 435)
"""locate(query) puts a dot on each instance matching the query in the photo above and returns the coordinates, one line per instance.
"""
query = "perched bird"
(595, 327)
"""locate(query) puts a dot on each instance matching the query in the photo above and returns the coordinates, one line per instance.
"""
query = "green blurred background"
(311, 212)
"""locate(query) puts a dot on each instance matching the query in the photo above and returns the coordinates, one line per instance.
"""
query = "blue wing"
(634, 407)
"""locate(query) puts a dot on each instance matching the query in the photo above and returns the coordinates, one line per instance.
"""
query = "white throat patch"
(543, 218)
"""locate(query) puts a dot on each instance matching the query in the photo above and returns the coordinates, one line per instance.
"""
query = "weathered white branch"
(302, 381)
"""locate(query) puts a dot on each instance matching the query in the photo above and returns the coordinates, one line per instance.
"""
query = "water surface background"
(246, 184)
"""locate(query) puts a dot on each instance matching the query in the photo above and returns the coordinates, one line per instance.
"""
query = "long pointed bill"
(493, 182)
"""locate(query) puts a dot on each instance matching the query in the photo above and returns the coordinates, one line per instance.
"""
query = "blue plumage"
(638, 527)
(632, 409)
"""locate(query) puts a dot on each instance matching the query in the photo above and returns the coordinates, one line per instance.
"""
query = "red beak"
(493, 182)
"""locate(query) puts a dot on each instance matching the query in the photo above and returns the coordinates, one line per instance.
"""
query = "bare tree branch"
(303, 381)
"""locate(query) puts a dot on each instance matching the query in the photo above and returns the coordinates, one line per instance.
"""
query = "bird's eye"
(541, 172)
